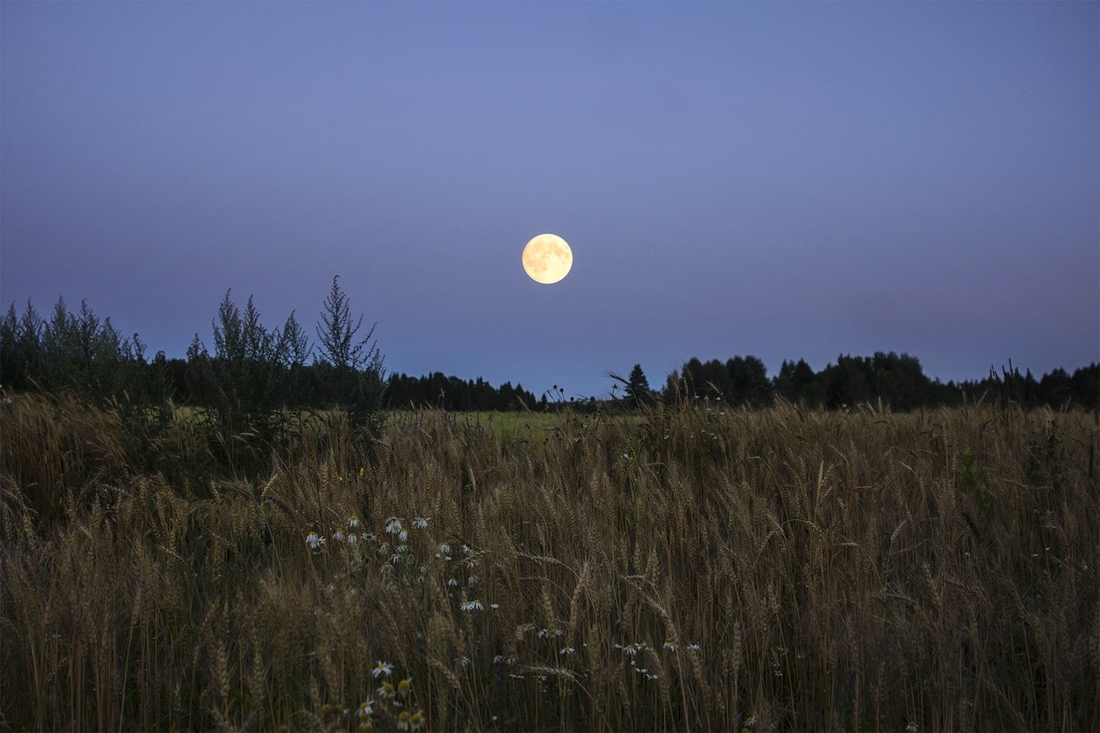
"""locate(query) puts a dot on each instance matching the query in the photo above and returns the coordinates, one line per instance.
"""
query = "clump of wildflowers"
(392, 704)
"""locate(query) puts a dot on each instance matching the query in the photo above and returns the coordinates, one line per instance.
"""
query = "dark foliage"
(258, 381)
(454, 394)
(251, 394)
(896, 382)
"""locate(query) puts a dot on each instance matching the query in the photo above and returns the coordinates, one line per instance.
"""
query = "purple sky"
(784, 180)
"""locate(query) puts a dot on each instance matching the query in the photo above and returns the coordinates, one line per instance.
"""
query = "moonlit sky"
(785, 180)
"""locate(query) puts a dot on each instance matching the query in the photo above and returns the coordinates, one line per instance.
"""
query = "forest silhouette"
(256, 370)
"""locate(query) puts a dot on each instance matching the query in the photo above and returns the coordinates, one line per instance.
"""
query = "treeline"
(896, 381)
(250, 375)
(253, 373)
(456, 395)
(250, 371)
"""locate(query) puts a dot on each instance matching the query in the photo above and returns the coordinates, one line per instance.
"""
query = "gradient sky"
(785, 180)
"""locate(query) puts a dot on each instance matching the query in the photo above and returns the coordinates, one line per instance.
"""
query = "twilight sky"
(785, 180)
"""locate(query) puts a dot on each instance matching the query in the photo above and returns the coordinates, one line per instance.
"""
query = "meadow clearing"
(693, 568)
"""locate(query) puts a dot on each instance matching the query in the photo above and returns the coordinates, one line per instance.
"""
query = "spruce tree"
(349, 369)
(637, 387)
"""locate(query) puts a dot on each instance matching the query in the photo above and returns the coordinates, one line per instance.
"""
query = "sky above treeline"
(787, 180)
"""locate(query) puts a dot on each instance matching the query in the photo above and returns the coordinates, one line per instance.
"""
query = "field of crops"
(688, 569)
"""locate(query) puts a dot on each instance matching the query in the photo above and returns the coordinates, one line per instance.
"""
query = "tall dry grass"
(688, 570)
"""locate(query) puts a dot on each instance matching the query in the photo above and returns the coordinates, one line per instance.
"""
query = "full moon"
(547, 259)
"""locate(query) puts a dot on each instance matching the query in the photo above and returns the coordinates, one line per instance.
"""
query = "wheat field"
(682, 569)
